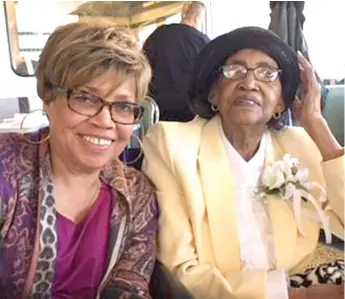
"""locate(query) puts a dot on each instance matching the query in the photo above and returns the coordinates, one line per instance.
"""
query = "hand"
(320, 291)
(308, 109)
(308, 113)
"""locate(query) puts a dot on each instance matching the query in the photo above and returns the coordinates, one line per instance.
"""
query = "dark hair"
(206, 67)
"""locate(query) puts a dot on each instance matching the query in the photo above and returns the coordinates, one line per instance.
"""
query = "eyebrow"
(91, 89)
(121, 98)
(244, 63)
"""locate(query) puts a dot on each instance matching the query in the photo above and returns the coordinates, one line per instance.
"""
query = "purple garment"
(28, 216)
(82, 251)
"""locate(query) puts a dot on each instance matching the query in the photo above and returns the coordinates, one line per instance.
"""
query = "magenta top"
(82, 251)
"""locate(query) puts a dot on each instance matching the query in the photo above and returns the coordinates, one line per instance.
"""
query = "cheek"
(223, 94)
(123, 139)
(274, 98)
(65, 127)
(124, 134)
(62, 118)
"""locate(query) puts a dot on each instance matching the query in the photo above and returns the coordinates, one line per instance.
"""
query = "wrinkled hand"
(307, 109)
(321, 291)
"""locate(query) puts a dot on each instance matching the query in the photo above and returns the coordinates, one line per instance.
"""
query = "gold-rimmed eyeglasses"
(262, 73)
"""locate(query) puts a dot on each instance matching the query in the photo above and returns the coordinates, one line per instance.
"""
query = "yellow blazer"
(198, 234)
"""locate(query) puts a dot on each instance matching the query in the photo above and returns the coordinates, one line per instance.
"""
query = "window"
(324, 33)
(229, 15)
(29, 27)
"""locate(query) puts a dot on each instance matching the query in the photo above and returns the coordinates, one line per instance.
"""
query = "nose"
(249, 82)
(103, 119)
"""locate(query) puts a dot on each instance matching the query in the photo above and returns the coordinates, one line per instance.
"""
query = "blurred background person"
(171, 50)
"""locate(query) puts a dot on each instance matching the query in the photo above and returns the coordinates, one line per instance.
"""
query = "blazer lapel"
(218, 187)
(281, 215)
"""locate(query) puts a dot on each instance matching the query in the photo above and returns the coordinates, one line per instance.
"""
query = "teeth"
(248, 101)
(97, 141)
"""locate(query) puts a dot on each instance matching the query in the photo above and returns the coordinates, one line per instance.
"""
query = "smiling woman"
(66, 181)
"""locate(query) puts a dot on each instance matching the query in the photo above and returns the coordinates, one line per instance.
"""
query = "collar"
(257, 161)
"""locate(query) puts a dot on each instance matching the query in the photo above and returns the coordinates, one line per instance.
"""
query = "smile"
(98, 141)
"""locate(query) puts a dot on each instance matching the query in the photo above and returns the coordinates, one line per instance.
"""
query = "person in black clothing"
(171, 50)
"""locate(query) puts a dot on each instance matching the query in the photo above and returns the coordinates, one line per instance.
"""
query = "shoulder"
(12, 140)
(171, 136)
(171, 130)
(131, 183)
(194, 33)
(15, 151)
(17, 157)
(205, 38)
(137, 181)
(142, 193)
(15, 142)
(160, 31)
(296, 141)
(294, 134)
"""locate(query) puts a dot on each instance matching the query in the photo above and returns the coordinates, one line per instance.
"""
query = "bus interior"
(25, 29)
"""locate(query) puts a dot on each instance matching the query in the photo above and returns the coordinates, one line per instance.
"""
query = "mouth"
(247, 101)
(98, 141)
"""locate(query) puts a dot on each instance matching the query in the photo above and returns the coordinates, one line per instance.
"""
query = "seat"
(164, 285)
(334, 111)
(133, 154)
(151, 114)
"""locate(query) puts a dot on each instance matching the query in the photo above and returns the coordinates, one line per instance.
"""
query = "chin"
(93, 164)
(247, 121)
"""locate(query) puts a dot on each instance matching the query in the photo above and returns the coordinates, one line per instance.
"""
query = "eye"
(233, 70)
(84, 98)
(124, 106)
(268, 73)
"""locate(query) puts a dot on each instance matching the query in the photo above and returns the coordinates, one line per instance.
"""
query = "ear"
(47, 107)
(280, 107)
(195, 21)
(212, 96)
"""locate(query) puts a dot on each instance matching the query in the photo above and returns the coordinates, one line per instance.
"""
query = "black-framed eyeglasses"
(88, 104)
(262, 73)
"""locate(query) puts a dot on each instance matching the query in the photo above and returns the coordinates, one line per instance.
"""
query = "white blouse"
(255, 232)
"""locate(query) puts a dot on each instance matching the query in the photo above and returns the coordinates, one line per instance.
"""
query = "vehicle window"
(227, 16)
(324, 33)
(29, 27)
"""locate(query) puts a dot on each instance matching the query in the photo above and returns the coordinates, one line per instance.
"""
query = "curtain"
(287, 21)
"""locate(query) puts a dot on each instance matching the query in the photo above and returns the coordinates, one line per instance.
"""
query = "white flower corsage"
(287, 180)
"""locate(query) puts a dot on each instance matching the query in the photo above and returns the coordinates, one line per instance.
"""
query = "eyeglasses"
(239, 72)
(88, 104)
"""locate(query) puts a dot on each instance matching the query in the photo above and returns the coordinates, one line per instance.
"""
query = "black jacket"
(171, 50)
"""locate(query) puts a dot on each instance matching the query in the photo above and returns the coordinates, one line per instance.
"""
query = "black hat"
(212, 57)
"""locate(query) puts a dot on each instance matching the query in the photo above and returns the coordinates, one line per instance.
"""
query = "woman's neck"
(75, 191)
(245, 139)
(71, 177)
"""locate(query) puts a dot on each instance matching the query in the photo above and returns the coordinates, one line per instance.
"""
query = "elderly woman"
(219, 230)
(75, 222)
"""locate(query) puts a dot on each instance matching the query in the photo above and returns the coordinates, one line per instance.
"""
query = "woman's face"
(88, 143)
(248, 101)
